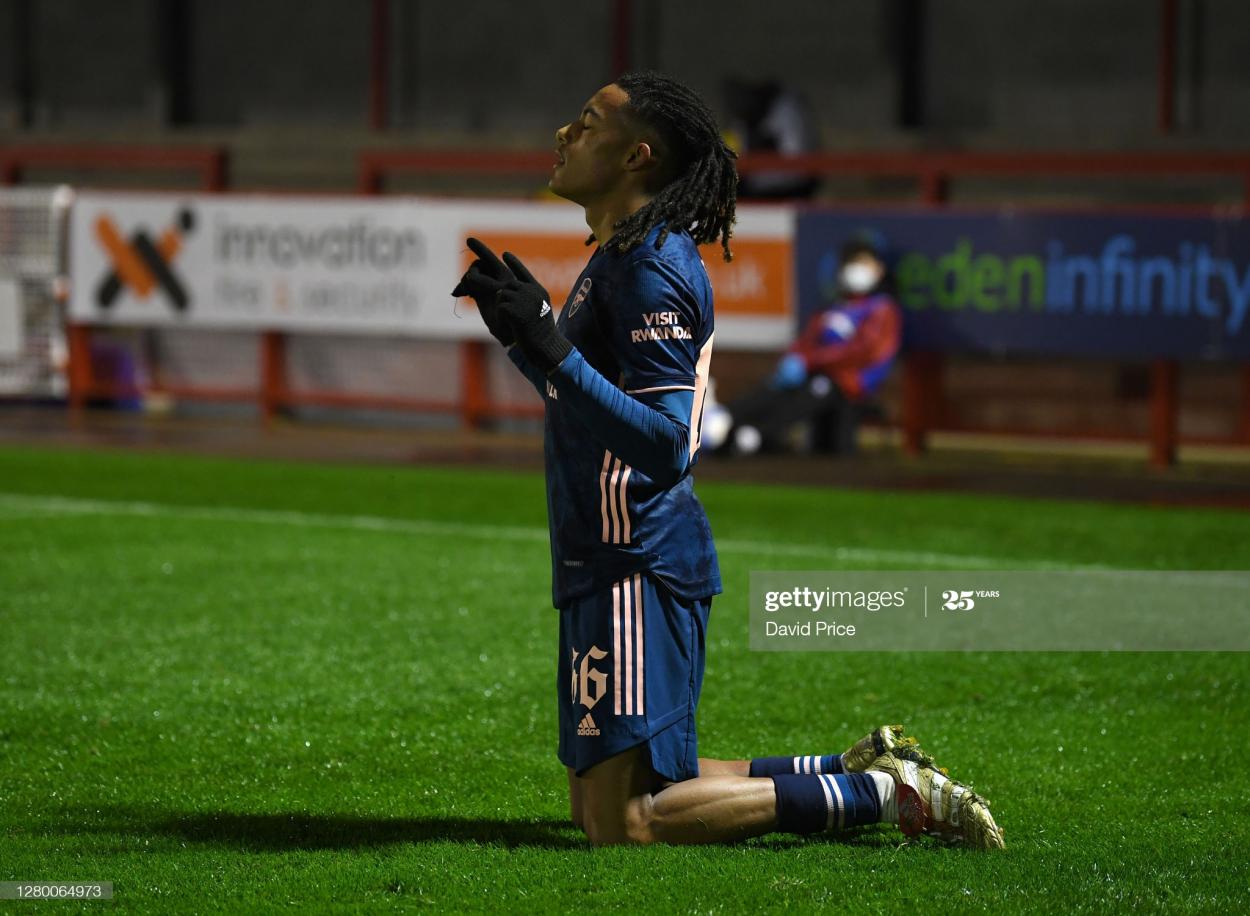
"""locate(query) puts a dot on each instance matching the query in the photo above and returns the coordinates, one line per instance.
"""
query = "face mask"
(859, 277)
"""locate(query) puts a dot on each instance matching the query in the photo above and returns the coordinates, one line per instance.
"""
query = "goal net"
(32, 283)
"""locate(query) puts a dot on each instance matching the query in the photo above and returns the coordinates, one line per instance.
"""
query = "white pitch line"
(19, 505)
(58, 505)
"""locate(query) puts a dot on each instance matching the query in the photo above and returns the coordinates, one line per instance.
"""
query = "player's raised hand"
(482, 283)
(526, 306)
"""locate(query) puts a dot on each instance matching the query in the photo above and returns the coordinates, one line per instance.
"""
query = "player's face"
(592, 150)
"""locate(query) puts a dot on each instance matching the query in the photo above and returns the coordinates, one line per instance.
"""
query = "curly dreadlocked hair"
(701, 198)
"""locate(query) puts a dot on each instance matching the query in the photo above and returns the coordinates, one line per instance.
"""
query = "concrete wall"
(1066, 67)
(267, 62)
(485, 65)
(92, 62)
(1022, 72)
(1220, 73)
(8, 48)
(837, 54)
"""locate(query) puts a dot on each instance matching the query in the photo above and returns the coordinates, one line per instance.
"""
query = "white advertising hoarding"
(359, 265)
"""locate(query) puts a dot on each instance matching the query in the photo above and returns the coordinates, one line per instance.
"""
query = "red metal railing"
(209, 163)
(932, 173)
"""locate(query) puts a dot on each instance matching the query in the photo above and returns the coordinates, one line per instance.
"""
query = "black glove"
(482, 283)
(526, 307)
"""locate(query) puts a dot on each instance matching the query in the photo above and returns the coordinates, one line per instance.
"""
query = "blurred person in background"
(769, 117)
(831, 371)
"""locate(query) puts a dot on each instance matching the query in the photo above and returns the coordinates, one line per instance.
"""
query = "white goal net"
(32, 279)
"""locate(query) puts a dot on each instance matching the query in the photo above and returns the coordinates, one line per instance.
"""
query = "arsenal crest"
(582, 292)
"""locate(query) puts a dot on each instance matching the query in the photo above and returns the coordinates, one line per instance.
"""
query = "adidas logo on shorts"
(587, 728)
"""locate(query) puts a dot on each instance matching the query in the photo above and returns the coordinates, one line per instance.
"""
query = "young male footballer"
(623, 373)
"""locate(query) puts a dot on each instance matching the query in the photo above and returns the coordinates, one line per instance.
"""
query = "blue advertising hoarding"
(1050, 284)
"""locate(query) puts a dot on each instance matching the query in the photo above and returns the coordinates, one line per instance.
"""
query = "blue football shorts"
(630, 672)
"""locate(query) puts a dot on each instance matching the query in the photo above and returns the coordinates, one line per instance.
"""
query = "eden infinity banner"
(1058, 284)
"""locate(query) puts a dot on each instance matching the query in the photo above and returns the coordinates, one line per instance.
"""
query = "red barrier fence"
(273, 393)
(932, 173)
(209, 163)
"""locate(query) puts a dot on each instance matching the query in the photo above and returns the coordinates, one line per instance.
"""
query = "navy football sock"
(775, 766)
(808, 804)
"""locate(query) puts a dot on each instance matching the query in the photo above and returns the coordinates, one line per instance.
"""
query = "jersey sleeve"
(648, 431)
(657, 328)
(536, 378)
(657, 338)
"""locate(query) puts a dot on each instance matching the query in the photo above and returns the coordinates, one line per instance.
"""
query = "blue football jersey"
(643, 320)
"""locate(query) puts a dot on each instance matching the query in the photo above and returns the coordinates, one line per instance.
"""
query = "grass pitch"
(228, 686)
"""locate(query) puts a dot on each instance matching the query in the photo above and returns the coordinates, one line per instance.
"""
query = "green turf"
(224, 711)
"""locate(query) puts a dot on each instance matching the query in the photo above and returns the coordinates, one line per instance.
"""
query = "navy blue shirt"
(640, 323)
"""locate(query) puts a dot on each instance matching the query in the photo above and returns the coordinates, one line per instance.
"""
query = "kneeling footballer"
(622, 374)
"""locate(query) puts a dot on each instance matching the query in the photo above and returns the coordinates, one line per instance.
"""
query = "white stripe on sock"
(829, 804)
(886, 796)
(841, 801)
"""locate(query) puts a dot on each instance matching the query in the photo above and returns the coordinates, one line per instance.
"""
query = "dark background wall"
(481, 65)
(87, 62)
(284, 87)
(1067, 71)
(264, 62)
(1064, 65)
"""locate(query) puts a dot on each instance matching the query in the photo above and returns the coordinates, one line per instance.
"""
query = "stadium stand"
(1147, 115)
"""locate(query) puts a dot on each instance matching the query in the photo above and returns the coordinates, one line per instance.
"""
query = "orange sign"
(755, 283)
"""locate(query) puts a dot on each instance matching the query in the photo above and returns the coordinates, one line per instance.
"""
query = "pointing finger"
(518, 269)
(489, 259)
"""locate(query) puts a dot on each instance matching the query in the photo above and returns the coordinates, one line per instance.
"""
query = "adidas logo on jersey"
(542, 312)
(587, 727)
